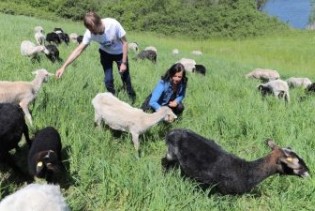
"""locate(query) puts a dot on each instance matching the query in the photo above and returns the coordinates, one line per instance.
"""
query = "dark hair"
(175, 68)
(92, 20)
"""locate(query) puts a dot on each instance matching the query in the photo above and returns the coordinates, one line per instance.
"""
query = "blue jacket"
(163, 92)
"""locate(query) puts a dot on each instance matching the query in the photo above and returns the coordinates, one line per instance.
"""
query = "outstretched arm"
(75, 54)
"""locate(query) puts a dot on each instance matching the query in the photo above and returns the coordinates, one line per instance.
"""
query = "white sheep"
(152, 48)
(278, 88)
(119, 115)
(298, 82)
(40, 38)
(189, 64)
(23, 92)
(35, 197)
(263, 74)
(31, 50)
(39, 29)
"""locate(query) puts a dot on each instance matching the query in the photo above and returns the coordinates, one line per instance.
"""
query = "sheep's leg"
(97, 120)
(135, 140)
(24, 106)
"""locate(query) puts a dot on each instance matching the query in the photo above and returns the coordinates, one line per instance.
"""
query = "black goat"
(206, 162)
(12, 127)
(147, 54)
(53, 53)
(44, 158)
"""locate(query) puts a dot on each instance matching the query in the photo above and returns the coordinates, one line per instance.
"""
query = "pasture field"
(103, 170)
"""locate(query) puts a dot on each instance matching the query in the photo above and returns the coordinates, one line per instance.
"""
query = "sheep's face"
(264, 90)
(170, 116)
(48, 164)
(43, 73)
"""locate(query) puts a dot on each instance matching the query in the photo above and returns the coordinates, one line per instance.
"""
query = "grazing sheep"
(134, 47)
(12, 127)
(151, 48)
(31, 50)
(263, 74)
(211, 166)
(278, 88)
(44, 157)
(147, 54)
(23, 92)
(294, 82)
(196, 52)
(199, 68)
(35, 197)
(40, 38)
(311, 88)
(53, 53)
(53, 37)
(62, 35)
(119, 115)
(189, 64)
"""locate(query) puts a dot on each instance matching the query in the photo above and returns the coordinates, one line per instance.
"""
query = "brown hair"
(92, 21)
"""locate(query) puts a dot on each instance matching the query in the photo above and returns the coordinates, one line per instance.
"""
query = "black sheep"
(199, 68)
(53, 37)
(12, 127)
(206, 162)
(44, 158)
(52, 53)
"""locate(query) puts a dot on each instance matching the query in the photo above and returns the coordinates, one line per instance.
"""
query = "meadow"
(104, 172)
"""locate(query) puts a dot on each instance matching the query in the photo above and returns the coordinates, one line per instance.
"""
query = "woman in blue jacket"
(169, 91)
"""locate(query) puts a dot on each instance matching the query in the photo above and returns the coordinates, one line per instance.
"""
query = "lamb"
(23, 92)
(196, 52)
(278, 88)
(40, 38)
(199, 68)
(175, 51)
(39, 29)
(73, 37)
(35, 197)
(294, 82)
(53, 37)
(263, 74)
(189, 64)
(119, 115)
(206, 162)
(12, 127)
(31, 50)
(151, 48)
(147, 54)
(44, 157)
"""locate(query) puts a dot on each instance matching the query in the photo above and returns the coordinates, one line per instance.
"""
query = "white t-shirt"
(109, 41)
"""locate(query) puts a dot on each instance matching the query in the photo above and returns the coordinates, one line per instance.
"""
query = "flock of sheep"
(199, 158)
(276, 86)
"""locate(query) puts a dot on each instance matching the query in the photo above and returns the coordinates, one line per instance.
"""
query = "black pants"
(146, 107)
(107, 63)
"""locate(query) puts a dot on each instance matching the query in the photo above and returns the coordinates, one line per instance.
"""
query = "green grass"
(104, 171)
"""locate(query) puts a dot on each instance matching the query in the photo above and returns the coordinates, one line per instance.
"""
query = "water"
(294, 12)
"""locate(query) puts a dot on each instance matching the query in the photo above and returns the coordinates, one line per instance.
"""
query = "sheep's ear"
(271, 144)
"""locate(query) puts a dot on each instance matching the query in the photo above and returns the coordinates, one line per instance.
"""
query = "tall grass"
(105, 173)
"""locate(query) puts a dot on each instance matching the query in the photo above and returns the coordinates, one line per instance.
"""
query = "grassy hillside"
(105, 174)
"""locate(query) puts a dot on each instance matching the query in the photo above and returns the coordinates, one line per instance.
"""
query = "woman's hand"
(172, 104)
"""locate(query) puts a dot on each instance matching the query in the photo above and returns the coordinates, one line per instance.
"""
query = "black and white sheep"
(119, 115)
(278, 88)
(294, 82)
(12, 127)
(206, 162)
(44, 157)
(263, 74)
(189, 64)
(53, 38)
(35, 197)
(23, 92)
(311, 88)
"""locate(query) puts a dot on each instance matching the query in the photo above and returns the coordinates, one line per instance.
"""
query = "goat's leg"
(135, 140)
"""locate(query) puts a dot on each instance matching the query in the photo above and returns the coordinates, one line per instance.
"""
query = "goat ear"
(271, 144)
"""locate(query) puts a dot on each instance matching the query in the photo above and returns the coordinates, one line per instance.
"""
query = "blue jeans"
(107, 63)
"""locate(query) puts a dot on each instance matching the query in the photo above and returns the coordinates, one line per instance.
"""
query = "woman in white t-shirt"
(111, 36)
